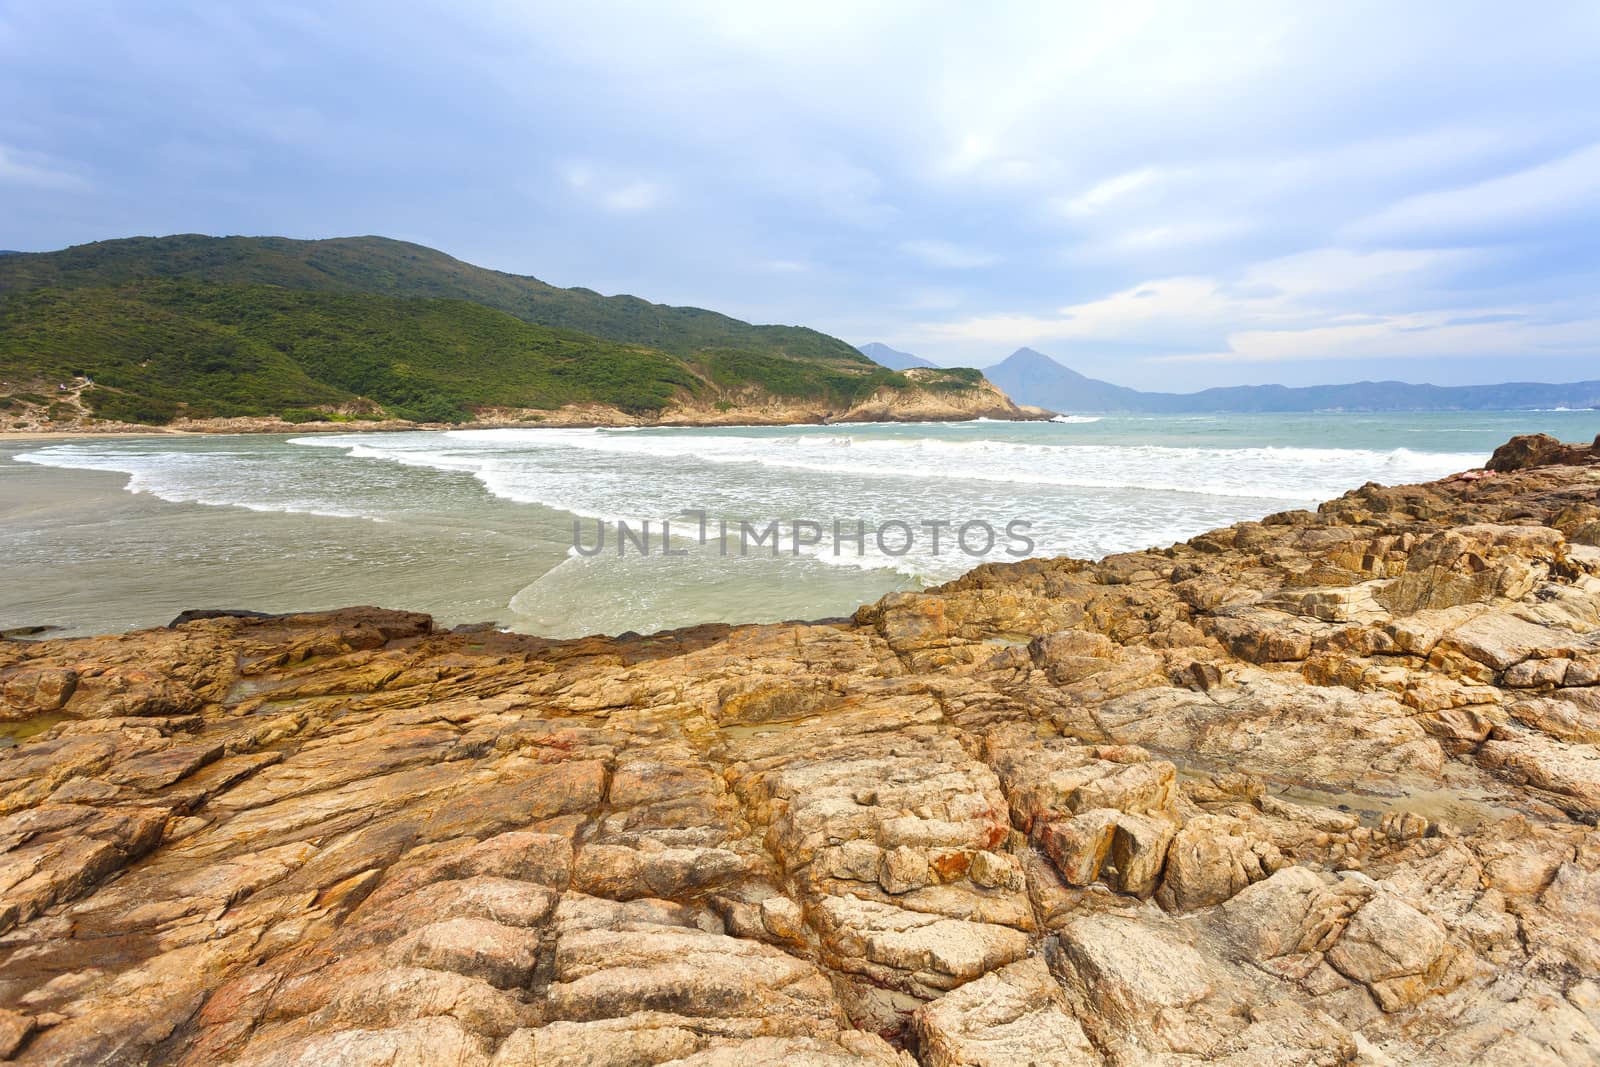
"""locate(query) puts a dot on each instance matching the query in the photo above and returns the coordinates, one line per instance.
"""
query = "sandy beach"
(7, 436)
(84, 554)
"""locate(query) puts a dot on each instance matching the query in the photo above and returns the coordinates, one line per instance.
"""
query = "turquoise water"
(478, 525)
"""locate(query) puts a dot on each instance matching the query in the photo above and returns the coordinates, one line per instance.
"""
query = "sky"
(1163, 195)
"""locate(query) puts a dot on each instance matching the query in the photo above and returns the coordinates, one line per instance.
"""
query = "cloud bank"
(1161, 194)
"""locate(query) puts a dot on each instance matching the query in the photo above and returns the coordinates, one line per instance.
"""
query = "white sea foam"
(1286, 473)
(1087, 487)
(1084, 498)
(1085, 494)
(208, 478)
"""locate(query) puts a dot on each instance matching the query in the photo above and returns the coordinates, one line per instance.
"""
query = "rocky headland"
(1319, 789)
(924, 398)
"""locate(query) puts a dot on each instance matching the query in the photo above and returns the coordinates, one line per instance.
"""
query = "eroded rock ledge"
(1313, 790)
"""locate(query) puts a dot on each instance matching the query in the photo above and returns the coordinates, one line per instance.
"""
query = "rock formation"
(925, 395)
(1319, 789)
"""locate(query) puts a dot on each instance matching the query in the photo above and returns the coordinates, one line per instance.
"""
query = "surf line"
(894, 537)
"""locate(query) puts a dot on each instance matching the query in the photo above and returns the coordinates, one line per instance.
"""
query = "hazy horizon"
(989, 361)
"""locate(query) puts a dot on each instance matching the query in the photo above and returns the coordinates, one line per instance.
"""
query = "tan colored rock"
(421, 1043)
(1264, 639)
(34, 692)
(903, 869)
(1568, 774)
(15, 1028)
(1081, 844)
(1399, 953)
(1210, 860)
(1125, 971)
(624, 873)
(606, 1043)
(1527, 451)
(1294, 911)
(922, 954)
(1013, 1015)
(1566, 715)
(609, 974)
(504, 956)
(1139, 849)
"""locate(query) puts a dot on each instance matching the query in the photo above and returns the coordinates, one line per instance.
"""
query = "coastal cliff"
(1316, 789)
(922, 396)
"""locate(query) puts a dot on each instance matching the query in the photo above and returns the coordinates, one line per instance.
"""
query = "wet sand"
(25, 436)
(83, 554)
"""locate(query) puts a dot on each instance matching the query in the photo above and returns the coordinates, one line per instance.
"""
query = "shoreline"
(221, 428)
(978, 401)
(61, 594)
(38, 435)
(1176, 760)
(262, 427)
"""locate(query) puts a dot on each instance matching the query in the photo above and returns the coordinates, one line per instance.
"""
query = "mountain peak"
(1032, 362)
(1029, 353)
(892, 358)
(1029, 372)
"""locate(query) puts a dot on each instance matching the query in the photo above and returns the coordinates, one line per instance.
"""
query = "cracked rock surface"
(1319, 789)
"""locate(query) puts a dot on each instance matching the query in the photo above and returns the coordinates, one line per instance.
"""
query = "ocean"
(102, 535)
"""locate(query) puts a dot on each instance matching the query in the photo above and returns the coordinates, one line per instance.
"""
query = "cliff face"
(929, 398)
(928, 403)
(1316, 789)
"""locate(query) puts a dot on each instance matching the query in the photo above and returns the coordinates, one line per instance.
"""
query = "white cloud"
(1165, 177)
(1166, 310)
(1552, 190)
(828, 185)
(1326, 272)
(634, 196)
(578, 175)
(609, 191)
(17, 168)
(948, 254)
(1322, 304)
(1101, 194)
(1424, 335)
(1177, 235)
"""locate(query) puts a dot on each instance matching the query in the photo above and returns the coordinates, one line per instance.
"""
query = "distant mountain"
(1035, 375)
(221, 327)
(1031, 377)
(893, 358)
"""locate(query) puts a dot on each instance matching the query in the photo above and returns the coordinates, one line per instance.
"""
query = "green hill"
(158, 348)
(396, 268)
(218, 327)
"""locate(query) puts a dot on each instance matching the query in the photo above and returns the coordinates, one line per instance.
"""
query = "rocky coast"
(925, 398)
(1317, 789)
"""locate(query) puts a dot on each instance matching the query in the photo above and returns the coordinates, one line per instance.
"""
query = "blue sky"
(1165, 195)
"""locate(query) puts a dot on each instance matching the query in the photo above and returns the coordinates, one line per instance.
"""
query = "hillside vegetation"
(397, 268)
(161, 348)
(203, 327)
